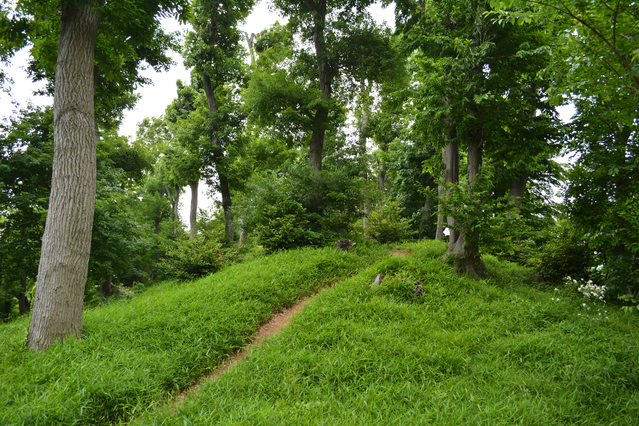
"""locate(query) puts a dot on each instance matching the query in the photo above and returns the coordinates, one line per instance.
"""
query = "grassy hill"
(502, 350)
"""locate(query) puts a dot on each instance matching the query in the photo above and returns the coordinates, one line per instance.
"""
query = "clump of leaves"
(192, 258)
(568, 254)
(386, 224)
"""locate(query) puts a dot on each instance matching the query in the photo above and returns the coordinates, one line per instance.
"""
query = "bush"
(189, 259)
(567, 254)
(292, 208)
(284, 226)
(386, 225)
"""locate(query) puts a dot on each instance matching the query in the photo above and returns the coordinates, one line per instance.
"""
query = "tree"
(214, 49)
(62, 273)
(66, 243)
(599, 74)
(471, 75)
(344, 41)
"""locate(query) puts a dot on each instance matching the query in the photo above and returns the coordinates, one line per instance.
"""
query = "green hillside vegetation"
(501, 350)
(139, 351)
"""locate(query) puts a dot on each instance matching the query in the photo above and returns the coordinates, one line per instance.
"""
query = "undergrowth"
(137, 352)
(498, 351)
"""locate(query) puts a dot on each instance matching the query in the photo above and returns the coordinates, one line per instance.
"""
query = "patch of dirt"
(268, 329)
(400, 252)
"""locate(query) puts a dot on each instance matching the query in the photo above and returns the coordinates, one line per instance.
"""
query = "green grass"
(499, 351)
(137, 352)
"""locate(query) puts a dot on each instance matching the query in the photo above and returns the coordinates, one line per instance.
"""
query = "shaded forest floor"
(501, 350)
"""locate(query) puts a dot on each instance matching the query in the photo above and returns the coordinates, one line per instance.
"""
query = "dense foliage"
(334, 126)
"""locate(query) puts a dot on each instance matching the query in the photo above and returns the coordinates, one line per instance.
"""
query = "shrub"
(567, 254)
(189, 259)
(386, 225)
(293, 208)
(284, 226)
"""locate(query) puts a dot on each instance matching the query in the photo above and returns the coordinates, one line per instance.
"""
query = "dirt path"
(271, 327)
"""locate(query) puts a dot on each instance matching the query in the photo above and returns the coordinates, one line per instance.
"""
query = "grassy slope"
(492, 352)
(137, 352)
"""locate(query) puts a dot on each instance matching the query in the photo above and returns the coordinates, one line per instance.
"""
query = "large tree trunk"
(193, 216)
(466, 249)
(318, 8)
(218, 158)
(66, 243)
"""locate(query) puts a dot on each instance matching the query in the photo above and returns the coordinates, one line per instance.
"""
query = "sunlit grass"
(499, 351)
(138, 352)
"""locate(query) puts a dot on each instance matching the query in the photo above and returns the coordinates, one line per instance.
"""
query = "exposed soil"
(400, 252)
(271, 327)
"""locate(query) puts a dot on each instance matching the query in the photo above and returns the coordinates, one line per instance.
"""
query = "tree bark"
(23, 301)
(466, 249)
(174, 199)
(439, 233)
(193, 217)
(428, 208)
(316, 147)
(517, 190)
(66, 243)
(218, 158)
(105, 286)
(451, 175)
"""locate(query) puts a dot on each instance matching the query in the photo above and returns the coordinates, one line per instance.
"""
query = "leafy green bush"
(188, 259)
(293, 208)
(567, 254)
(386, 225)
(284, 226)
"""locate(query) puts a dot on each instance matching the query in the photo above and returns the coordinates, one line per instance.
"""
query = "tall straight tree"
(214, 49)
(62, 272)
(326, 25)
(66, 243)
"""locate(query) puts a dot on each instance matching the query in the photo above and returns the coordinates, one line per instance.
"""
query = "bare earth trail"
(271, 327)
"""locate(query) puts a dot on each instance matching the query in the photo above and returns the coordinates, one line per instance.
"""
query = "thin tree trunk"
(105, 286)
(381, 178)
(193, 216)
(66, 243)
(363, 131)
(316, 147)
(174, 199)
(439, 233)
(451, 176)
(218, 158)
(428, 208)
(23, 302)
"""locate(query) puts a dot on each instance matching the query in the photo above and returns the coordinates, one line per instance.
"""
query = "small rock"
(378, 280)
